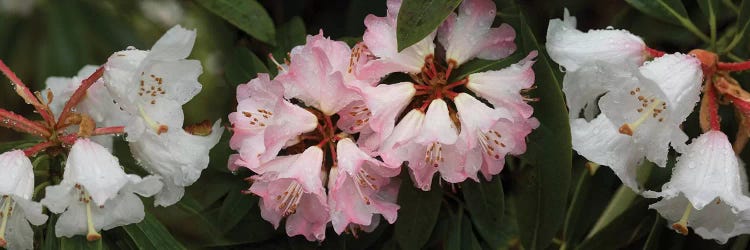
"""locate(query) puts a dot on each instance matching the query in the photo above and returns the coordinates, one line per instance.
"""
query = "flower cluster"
(633, 100)
(329, 133)
(138, 93)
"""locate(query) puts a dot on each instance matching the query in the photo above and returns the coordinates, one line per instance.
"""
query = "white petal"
(16, 174)
(72, 222)
(572, 48)
(96, 169)
(437, 125)
(19, 233)
(174, 45)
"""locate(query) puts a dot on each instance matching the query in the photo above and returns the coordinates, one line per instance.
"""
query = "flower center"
(362, 115)
(489, 141)
(290, 199)
(85, 198)
(364, 180)
(434, 154)
(151, 87)
(7, 208)
(259, 118)
(650, 107)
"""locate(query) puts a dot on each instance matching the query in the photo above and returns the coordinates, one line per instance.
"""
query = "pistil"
(158, 128)
(651, 111)
(681, 225)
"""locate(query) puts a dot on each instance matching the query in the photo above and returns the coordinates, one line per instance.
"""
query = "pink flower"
(291, 187)
(428, 143)
(320, 75)
(502, 87)
(468, 34)
(380, 38)
(265, 122)
(361, 187)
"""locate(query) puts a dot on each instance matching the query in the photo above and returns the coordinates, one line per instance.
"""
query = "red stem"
(713, 109)
(109, 130)
(33, 150)
(26, 94)
(655, 53)
(21, 124)
(457, 83)
(740, 66)
(78, 95)
(448, 71)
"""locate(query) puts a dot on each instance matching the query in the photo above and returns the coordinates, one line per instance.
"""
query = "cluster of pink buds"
(327, 136)
(137, 92)
(634, 99)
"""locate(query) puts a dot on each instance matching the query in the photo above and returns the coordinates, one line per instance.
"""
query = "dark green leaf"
(151, 234)
(710, 9)
(79, 242)
(243, 66)
(418, 214)
(485, 203)
(468, 239)
(236, 205)
(419, 18)
(672, 11)
(652, 242)
(623, 229)
(50, 239)
(22, 144)
(741, 242)
(743, 26)
(666, 10)
(247, 15)
(542, 186)
(577, 205)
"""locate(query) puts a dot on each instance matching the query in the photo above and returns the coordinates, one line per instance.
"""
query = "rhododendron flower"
(291, 187)
(151, 86)
(600, 142)
(652, 106)
(178, 157)
(17, 209)
(590, 59)
(265, 122)
(706, 190)
(98, 103)
(428, 137)
(469, 34)
(96, 194)
(361, 187)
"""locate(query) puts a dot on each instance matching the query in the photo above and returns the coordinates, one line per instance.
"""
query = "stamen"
(491, 143)
(4, 214)
(278, 65)
(158, 128)
(434, 154)
(681, 226)
(650, 111)
(290, 199)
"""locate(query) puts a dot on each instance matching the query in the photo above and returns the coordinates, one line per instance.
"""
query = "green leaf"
(419, 18)
(151, 234)
(743, 25)
(236, 205)
(542, 186)
(672, 11)
(652, 242)
(247, 15)
(79, 242)
(418, 214)
(50, 239)
(630, 225)
(485, 203)
(243, 66)
(461, 236)
(577, 205)
(710, 9)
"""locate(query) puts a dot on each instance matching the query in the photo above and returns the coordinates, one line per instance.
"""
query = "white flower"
(178, 157)
(151, 86)
(652, 105)
(16, 208)
(594, 61)
(599, 141)
(706, 190)
(95, 193)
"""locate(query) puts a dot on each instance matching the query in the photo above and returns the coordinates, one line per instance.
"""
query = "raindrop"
(73, 109)
(130, 48)
(562, 69)
(6, 121)
(610, 28)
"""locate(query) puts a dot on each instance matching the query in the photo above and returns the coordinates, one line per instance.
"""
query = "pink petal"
(469, 35)
(502, 87)
(437, 125)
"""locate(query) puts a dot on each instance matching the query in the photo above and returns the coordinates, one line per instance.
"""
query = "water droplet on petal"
(562, 69)
(610, 28)
(130, 48)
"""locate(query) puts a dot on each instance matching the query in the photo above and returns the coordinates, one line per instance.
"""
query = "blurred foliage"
(57, 38)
